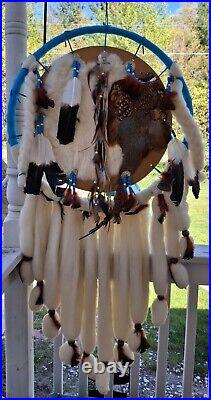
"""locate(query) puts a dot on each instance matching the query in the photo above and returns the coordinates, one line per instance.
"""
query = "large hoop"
(105, 29)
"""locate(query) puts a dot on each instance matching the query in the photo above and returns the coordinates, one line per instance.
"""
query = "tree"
(202, 24)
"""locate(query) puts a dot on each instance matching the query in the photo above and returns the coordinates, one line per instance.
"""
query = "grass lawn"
(177, 331)
(198, 209)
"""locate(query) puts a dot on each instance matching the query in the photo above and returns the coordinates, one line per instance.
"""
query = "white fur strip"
(176, 150)
(180, 217)
(71, 274)
(88, 330)
(189, 126)
(135, 266)
(27, 225)
(172, 236)
(29, 123)
(51, 293)
(158, 253)
(120, 283)
(145, 195)
(144, 226)
(138, 287)
(104, 327)
(175, 70)
(42, 224)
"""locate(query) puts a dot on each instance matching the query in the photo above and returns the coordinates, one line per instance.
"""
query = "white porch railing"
(19, 335)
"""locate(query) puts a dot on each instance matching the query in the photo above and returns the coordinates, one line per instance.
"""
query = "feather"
(42, 99)
(177, 183)
(34, 179)
(163, 207)
(70, 106)
(194, 183)
(56, 178)
(67, 124)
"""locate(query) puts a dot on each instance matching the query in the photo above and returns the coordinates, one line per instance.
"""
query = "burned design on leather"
(137, 118)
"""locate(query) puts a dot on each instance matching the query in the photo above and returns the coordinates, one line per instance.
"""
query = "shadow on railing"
(20, 346)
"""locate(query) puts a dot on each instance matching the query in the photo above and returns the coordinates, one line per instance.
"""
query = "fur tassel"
(180, 275)
(189, 126)
(102, 382)
(123, 353)
(105, 332)
(176, 269)
(51, 324)
(120, 281)
(159, 311)
(27, 225)
(91, 359)
(42, 225)
(51, 271)
(158, 254)
(25, 271)
(139, 285)
(88, 328)
(71, 275)
(69, 353)
(36, 297)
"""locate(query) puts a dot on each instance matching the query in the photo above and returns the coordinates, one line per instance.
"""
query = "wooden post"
(19, 339)
(16, 43)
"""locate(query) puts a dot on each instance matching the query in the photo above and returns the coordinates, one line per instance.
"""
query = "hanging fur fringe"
(27, 225)
(51, 295)
(189, 126)
(123, 353)
(105, 332)
(172, 241)
(139, 286)
(88, 328)
(120, 281)
(25, 270)
(102, 382)
(71, 285)
(42, 224)
(159, 267)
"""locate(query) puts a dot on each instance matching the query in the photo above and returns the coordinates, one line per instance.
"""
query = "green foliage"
(202, 24)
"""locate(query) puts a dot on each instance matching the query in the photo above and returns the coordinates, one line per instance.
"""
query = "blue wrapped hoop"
(67, 35)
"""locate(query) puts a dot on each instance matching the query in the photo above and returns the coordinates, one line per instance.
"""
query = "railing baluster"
(134, 377)
(57, 366)
(19, 339)
(190, 340)
(162, 352)
(83, 384)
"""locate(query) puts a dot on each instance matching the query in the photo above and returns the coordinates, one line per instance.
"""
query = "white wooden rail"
(19, 335)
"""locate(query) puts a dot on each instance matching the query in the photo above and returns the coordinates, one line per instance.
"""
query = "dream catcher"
(96, 123)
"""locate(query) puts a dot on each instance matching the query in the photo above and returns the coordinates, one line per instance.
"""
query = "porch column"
(16, 48)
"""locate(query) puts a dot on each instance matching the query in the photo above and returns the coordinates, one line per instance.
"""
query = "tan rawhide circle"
(88, 54)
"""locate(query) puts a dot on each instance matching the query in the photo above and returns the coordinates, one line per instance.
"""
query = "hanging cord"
(106, 23)
(45, 22)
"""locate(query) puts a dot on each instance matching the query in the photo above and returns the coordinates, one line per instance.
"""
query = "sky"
(173, 7)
